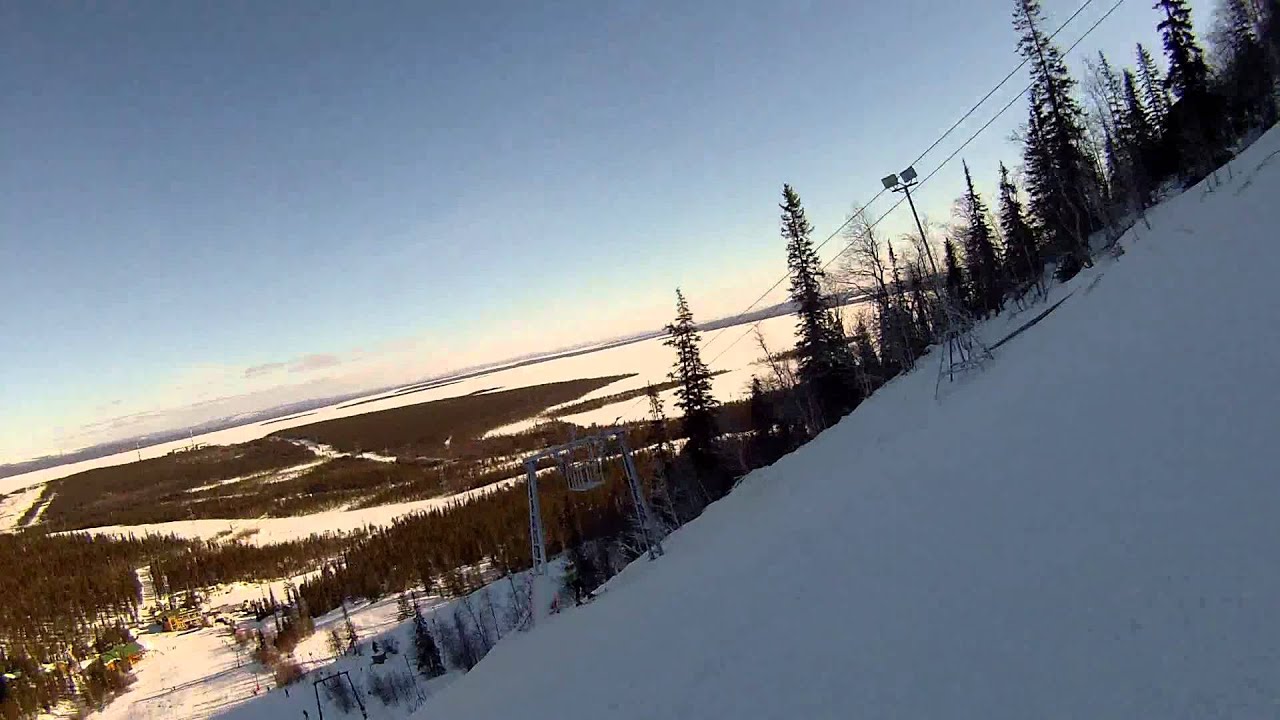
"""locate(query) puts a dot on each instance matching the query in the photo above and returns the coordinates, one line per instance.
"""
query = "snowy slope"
(1085, 529)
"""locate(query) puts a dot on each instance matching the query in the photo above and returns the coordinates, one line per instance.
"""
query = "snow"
(1085, 528)
(15, 504)
(267, 530)
(199, 674)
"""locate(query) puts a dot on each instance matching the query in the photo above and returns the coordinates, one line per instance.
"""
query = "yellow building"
(179, 620)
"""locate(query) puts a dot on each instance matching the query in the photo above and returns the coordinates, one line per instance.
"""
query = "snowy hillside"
(1084, 529)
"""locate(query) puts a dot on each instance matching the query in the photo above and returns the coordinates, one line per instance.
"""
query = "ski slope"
(1085, 529)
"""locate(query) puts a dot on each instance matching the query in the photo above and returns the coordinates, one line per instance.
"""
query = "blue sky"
(267, 200)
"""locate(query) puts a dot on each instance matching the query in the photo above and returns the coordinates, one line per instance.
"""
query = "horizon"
(280, 204)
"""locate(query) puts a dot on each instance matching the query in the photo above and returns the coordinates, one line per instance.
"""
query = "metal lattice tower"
(581, 461)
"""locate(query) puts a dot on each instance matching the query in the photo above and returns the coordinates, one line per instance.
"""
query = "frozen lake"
(725, 350)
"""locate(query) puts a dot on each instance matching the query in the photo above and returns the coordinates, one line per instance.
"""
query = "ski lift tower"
(582, 463)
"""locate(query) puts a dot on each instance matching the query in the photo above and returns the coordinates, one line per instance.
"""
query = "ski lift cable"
(932, 146)
(1115, 6)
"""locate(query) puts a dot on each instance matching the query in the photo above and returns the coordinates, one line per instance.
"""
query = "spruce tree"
(955, 275)
(1060, 176)
(1246, 73)
(1188, 71)
(1111, 90)
(870, 371)
(982, 263)
(1155, 95)
(1022, 248)
(826, 365)
(1194, 134)
(767, 438)
(350, 636)
(425, 649)
(693, 390)
(1137, 138)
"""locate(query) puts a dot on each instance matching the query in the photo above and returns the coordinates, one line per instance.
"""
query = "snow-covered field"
(200, 674)
(1084, 529)
(650, 360)
(267, 530)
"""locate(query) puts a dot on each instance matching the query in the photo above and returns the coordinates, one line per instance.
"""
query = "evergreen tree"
(982, 263)
(403, 610)
(1188, 71)
(1271, 32)
(955, 275)
(1059, 174)
(425, 650)
(1137, 139)
(350, 636)
(870, 370)
(1246, 71)
(898, 344)
(826, 364)
(767, 441)
(1111, 91)
(1192, 133)
(1022, 248)
(1155, 94)
(693, 391)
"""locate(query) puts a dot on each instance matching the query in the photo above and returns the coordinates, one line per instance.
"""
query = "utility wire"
(871, 226)
(818, 248)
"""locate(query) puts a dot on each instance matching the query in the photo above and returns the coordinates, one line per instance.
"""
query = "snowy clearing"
(267, 530)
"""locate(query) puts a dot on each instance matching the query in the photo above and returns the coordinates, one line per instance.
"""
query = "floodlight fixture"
(909, 174)
(890, 181)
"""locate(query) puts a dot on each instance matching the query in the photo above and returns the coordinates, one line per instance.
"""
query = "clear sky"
(271, 201)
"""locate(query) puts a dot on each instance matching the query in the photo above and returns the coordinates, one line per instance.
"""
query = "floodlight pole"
(905, 189)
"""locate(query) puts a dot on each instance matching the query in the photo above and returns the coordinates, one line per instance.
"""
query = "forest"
(1098, 150)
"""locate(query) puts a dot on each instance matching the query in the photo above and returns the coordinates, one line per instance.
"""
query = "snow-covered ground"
(14, 505)
(267, 530)
(201, 674)
(1086, 528)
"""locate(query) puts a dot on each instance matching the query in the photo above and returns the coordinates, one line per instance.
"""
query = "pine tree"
(1060, 176)
(1188, 71)
(1271, 31)
(1246, 71)
(826, 365)
(425, 650)
(1111, 91)
(870, 370)
(403, 609)
(766, 441)
(693, 391)
(1022, 248)
(351, 638)
(955, 275)
(1193, 129)
(1137, 141)
(982, 263)
(1155, 94)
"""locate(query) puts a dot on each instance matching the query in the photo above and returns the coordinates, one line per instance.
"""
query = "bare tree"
(784, 379)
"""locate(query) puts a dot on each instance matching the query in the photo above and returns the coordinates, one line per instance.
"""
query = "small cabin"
(122, 657)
